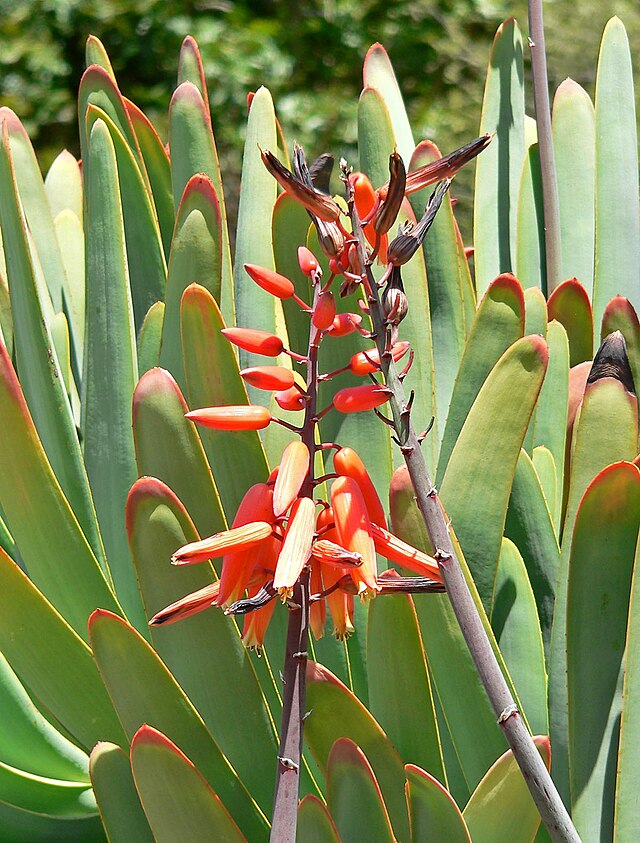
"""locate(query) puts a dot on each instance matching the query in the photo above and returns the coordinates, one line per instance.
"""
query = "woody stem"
(287, 787)
(545, 795)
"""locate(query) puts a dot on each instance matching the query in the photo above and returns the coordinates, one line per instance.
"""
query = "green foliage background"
(309, 53)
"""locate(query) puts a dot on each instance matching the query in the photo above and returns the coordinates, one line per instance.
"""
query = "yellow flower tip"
(294, 468)
(285, 594)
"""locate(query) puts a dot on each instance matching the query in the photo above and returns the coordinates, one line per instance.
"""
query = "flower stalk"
(545, 795)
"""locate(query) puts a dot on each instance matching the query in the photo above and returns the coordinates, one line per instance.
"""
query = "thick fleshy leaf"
(190, 68)
(606, 432)
(378, 73)
(116, 795)
(26, 827)
(501, 809)
(217, 672)
(70, 236)
(52, 660)
(529, 525)
(146, 266)
(256, 308)
(498, 323)
(6, 319)
(168, 447)
(619, 315)
(617, 262)
(606, 527)
(95, 53)
(574, 139)
(399, 687)
(52, 544)
(196, 257)
(158, 169)
(36, 360)
(150, 338)
(535, 312)
(213, 379)
(569, 304)
(475, 490)
(143, 691)
(177, 800)
(514, 618)
(354, 797)
(449, 284)
(46, 796)
(530, 243)
(433, 813)
(335, 713)
(315, 824)
(63, 185)
(499, 168)
(545, 467)
(111, 366)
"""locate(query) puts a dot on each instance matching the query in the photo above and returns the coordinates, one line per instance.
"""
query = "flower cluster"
(282, 528)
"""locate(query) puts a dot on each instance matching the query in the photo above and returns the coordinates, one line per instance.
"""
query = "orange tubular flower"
(367, 362)
(259, 342)
(290, 399)
(255, 623)
(356, 399)
(233, 417)
(325, 311)
(270, 281)
(236, 539)
(348, 464)
(353, 526)
(339, 602)
(273, 378)
(395, 550)
(296, 548)
(294, 468)
(187, 606)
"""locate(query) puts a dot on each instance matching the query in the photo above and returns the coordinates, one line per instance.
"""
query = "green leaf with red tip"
(335, 713)
(168, 447)
(514, 618)
(158, 168)
(111, 366)
(378, 73)
(475, 487)
(204, 652)
(529, 525)
(213, 379)
(315, 824)
(150, 338)
(35, 207)
(52, 544)
(290, 227)
(95, 53)
(63, 186)
(574, 148)
(52, 660)
(619, 315)
(354, 797)
(37, 364)
(144, 691)
(617, 258)
(255, 308)
(530, 243)
(606, 530)
(606, 431)
(376, 136)
(48, 796)
(146, 266)
(176, 798)
(569, 304)
(190, 68)
(399, 687)
(498, 323)
(499, 167)
(501, 809)
(115, 791)
(449, 283)
(433, 813)
(196, 257)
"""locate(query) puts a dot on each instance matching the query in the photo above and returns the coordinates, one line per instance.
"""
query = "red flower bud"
(259, 342)
(344, 323)
(307, 261)
(325, 311)
(348, 464)
(355, 399)
(270, 281)
(366, 362)
(233, 417)
(268, 377)
(290, 399)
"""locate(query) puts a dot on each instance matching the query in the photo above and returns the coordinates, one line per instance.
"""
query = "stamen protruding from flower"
(367, 362)
(353, 527)
(233, 417)
(294, 468)
(272, 378)
(236, 539)
(356, 399)
(347, 463)
(319, 204)
(270, 281)
(258, 342)
(296, 548)
(189, 605)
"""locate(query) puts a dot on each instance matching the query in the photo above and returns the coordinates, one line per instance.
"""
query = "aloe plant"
(116, 281)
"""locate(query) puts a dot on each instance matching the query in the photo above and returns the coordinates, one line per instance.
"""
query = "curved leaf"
(378, 73)
(530, 242)
(116, 795)
(150, 338)
(315, 824)
(433, 813)
(569, 304)
(619, 315)
(47, 796)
